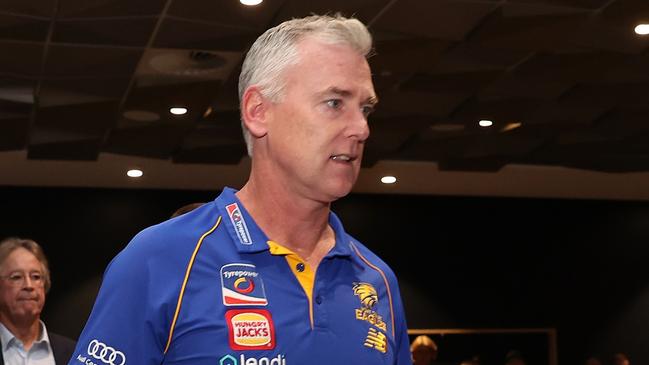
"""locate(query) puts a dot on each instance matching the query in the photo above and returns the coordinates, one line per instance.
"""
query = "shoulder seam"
(182, 288)
(385, 280)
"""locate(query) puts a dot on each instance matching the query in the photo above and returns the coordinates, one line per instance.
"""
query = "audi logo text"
(105, 353)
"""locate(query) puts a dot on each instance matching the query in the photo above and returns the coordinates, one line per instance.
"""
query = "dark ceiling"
(566, 82)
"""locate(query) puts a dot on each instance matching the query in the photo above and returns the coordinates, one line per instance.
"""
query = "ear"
(254, 111)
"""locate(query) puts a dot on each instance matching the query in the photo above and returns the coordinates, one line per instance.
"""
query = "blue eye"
(367, 110)
(334, 103)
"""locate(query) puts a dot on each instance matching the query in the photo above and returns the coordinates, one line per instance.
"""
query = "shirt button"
(299, 267)
(318, 299)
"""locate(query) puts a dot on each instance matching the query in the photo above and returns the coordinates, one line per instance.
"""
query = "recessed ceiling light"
(250, 2)
(208, 112)
(485, 123)
(178, 110)
(388, 179)
(134, 173)
(511, 126)
(642, 29)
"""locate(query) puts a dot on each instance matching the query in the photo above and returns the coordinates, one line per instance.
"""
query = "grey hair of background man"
(10, 244)
(276, 49)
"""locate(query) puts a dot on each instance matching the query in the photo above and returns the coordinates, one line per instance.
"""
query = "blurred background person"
(24, 281)
(621, 359)
(423, 350)
(514, 357)
(186, 209)
(593, 361)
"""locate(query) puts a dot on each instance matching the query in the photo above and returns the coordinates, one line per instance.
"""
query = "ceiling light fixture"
(642, 29)
(251, 2)
(511, 126)
(134, 173)
(388, 179)
(178, 110)
(485, 123)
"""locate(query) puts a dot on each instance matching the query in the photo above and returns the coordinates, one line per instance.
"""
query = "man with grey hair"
(266, 275)
(24, 281)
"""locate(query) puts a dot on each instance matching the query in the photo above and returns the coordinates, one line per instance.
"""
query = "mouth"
(28, 299)
(343, 158)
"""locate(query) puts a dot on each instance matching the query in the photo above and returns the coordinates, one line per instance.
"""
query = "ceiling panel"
(134, 32)
(85, 61)
(432, 18)
(37, 8)
(108, 8)
(565, 81)
(23, 28)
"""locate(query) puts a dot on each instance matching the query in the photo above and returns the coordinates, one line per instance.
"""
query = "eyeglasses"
(19, 278)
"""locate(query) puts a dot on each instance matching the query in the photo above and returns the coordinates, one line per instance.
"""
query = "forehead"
(20, 258)
(322, 66)
(422, 349)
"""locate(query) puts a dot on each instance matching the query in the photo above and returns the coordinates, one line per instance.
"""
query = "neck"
(26, 330)
(299, 224)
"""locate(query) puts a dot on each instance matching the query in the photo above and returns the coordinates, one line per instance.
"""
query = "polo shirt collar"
(243, 230)
(249, 238)
(343, 241)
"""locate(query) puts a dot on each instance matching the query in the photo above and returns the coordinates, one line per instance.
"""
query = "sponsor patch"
(376, 340)
(239, 224)
(250, 329)
(100, 351)
(241, 284)
(250, 360)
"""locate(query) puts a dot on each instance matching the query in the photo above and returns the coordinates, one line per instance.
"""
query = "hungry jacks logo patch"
(250, 329)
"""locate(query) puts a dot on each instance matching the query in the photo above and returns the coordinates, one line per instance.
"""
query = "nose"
(28, 282)
(358, 127)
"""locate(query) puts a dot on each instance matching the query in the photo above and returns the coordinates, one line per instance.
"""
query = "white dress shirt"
(14, 352)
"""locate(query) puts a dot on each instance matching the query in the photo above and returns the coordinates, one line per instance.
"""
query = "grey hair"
(276, 49)
(10, 244)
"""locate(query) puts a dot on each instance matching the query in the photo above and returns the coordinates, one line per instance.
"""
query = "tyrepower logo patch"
(250, 329)
(239, 224)
(241, 285)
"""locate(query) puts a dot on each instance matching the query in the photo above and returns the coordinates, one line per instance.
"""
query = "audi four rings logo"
(107, 354)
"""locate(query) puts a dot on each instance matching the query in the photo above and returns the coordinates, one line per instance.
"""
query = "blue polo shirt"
(209, 288)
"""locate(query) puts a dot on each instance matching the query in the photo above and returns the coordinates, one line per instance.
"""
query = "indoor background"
(516, 131)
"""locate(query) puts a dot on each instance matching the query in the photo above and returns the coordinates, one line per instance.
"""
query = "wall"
(575, 265)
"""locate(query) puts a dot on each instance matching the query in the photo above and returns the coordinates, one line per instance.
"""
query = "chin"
(340, 190)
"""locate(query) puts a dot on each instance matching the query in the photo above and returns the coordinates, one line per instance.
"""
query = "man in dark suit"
(24, 281)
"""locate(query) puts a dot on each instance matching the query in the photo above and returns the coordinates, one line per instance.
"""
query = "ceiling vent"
(161, 66)
(190, 64)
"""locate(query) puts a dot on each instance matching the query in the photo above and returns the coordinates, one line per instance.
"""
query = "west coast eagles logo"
(369, 298)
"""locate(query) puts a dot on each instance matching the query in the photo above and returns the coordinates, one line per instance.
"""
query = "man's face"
(423, 356)
(516, 361)
(22, 295)
(317, 131)
(620, 360)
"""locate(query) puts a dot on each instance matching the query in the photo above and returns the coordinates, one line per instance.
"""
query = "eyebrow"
(373, 100)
